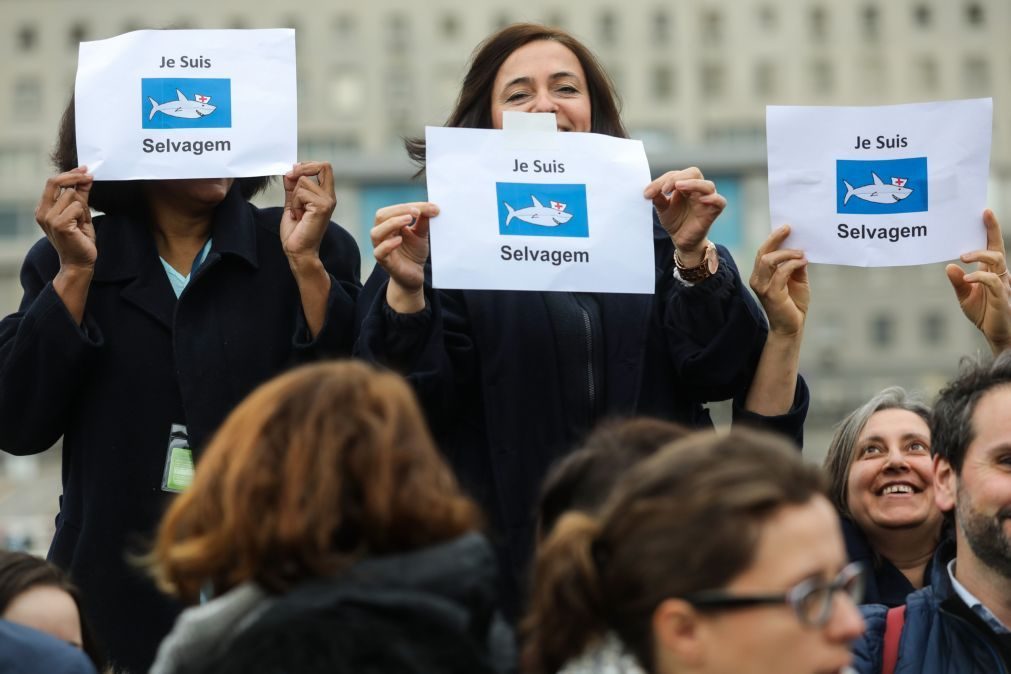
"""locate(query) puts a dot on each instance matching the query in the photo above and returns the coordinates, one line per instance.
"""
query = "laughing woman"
(511, 381)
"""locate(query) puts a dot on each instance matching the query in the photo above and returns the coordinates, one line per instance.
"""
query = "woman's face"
(891, 480)
(47, 609)
(798, 543)
(191, 194)
(543, 76)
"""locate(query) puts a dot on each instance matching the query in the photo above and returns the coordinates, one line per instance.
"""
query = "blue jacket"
(488, 369)
(142, 361)
(27, 651)
(940, 635)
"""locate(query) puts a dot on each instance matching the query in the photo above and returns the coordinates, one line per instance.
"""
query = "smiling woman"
(882, 484)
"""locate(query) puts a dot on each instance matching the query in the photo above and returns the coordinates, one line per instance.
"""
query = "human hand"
(64, 216)
(984, 293)
(400, 244)
(687, 206)
(309, 201)
(779, 279)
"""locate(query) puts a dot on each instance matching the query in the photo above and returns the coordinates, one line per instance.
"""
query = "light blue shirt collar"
(975, 604)
(178, 281)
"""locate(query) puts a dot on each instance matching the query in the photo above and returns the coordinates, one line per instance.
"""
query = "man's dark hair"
(951, 430)
(119, 197)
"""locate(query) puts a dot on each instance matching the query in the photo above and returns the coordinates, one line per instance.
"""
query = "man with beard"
(962, 621)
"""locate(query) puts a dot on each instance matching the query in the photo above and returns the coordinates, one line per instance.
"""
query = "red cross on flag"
(558, 206)
(200, 98)
(899, 182)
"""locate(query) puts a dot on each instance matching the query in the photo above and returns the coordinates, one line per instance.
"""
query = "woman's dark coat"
(143, 361)
(488, 369)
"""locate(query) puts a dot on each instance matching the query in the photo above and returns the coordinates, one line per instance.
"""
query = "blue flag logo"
(537, 209)
(186, 103)
(881, 187)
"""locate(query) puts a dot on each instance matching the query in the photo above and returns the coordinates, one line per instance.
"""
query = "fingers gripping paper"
(187, 104)
(881, 186)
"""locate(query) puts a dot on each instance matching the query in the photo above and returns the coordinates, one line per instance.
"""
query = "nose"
(543, 102)
(897, 459)
(845, 624)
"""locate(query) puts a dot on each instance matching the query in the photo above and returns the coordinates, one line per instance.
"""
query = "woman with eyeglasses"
(719, 554)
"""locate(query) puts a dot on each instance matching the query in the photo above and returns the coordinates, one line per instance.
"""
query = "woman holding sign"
(513, 380)
(138, 332)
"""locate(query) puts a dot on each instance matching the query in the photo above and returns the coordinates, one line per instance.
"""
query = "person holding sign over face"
(138, 332)
(512, 380)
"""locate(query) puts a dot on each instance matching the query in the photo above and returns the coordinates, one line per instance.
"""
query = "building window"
(502, 19)
(819, 23)
(821, 77)
(27, 38)
(765, 79)
(767, 18)
(661, 28)
(976, 76)
(27, 99)
(78, 34)
(398, 33)
(974, 14)
(870, 22)
(927, 74)
(555, 19)
(347, 93)
(449, 26)
(662, 84)
(922, 16)
(882, 331)
(608, 28)
(237, 23)
(934, 329)
(344, 28)
(713, 80)
(712, 26)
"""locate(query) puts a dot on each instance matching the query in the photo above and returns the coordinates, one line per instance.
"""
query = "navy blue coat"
(143, 361)
(486, 369)
(27, 651)
(940, 635)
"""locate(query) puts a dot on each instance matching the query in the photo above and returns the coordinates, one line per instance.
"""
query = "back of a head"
(583, 480)
(315, 469)
(686, 520)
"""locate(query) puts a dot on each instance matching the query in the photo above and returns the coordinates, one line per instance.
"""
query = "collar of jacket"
(126, 246)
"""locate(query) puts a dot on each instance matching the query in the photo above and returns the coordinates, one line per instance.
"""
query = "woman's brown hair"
(314, 470)
(473, 107)
(685, 520)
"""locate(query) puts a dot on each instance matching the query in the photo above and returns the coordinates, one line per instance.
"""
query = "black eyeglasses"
(810, 599)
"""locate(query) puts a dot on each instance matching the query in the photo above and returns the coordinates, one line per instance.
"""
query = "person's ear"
(678, 635)
(945, 484)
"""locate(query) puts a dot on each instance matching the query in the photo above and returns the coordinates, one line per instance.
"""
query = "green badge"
(178, 473)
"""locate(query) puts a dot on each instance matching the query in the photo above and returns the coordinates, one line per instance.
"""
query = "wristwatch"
(710, 263)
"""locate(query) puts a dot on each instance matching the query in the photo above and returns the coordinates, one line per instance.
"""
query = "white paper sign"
(881, 186)
(535, 210)
(187, 104)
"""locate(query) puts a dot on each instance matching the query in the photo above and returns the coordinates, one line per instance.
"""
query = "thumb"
(956, 276)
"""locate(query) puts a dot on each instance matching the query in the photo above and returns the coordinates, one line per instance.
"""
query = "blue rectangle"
(882, 186)
(186, 103)
(537, 209)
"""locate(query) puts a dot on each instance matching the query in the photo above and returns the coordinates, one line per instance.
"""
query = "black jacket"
(433, 610)
(143, 361)
(488, 369)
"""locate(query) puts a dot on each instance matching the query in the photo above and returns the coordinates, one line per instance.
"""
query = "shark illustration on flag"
(182, 107)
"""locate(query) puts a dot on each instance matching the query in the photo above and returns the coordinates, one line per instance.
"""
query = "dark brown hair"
(473, 107)
(584, 479)
(21, 572)
(314, 470)
(119, 197)
(685, 520)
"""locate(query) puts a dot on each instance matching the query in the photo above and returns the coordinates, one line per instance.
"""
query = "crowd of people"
(269, 466)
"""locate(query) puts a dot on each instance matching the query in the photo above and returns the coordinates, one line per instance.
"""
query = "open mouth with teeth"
(898, 488)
